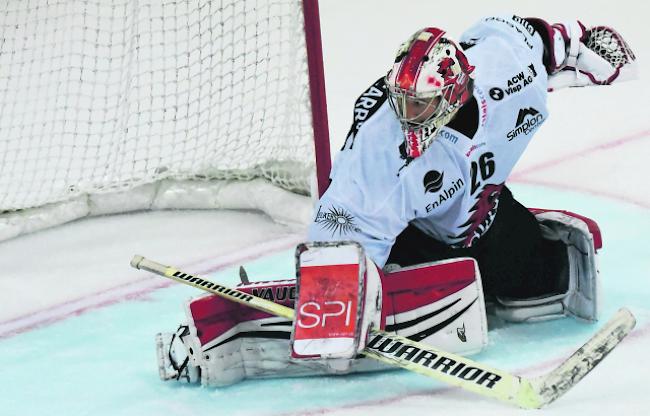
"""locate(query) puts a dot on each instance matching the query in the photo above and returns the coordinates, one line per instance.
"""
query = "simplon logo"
(528, 120)
(530, 111)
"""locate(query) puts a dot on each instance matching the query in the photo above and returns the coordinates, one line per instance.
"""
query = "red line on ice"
(536, 369)
(630, 138)
(136, 289)
(585, 190)
(520, 176)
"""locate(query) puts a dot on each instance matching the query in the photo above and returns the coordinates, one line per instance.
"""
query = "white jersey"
(451, 191)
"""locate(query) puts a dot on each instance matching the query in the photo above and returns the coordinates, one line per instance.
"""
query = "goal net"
(118, 105)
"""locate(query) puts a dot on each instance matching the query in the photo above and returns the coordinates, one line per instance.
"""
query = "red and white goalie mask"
(430, 80)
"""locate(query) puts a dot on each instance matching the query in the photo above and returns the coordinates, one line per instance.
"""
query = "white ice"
(589, 157)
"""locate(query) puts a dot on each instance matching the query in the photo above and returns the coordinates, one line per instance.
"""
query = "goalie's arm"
(343, 214)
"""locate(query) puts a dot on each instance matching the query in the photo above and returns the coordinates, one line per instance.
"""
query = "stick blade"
(554, 384)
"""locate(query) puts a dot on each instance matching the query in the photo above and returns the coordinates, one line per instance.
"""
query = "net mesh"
(608, 44)
(102, 96)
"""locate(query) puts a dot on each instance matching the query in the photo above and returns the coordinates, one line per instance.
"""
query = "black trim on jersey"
(403, 155)
(547, 39)
(365, 107)
(466, 119)
(467, 45)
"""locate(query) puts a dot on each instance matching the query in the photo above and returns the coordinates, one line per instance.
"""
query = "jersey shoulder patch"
(365, 107)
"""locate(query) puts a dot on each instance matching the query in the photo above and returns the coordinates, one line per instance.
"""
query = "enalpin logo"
(433, 181)
(528, 120)
(444, 196)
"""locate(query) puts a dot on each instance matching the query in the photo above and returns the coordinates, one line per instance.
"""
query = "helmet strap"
(413, 144)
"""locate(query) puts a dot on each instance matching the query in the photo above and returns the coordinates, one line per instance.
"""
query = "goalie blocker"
(341, 296)
(339, 301)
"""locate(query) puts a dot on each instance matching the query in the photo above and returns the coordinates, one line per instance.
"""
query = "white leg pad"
(581, 237)
(439, 304)
(173, 360)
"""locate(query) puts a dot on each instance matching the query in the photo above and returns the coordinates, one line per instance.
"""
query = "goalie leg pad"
(581, 237)
(439, 303)
(234, 342)
(173, 359)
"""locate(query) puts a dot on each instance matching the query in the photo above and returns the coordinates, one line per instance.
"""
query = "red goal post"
(111, 106)
(317, 94)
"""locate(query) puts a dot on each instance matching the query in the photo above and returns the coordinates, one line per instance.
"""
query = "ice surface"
(77, 323)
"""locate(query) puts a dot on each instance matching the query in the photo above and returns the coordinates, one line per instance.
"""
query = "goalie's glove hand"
(594, 56)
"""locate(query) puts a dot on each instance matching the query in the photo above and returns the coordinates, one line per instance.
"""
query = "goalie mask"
(430, 80)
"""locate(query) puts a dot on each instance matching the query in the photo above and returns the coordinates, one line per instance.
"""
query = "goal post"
(317, 94)
(111, 106)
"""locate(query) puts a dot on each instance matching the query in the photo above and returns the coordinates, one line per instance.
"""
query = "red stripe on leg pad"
(426, 284)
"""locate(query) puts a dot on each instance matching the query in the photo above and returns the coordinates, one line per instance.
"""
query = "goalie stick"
(449, 368)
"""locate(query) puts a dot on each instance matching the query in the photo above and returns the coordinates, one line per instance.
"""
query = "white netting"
(609, 44)
(101, 96)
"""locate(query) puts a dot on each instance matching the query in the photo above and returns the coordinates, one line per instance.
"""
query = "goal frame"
(317, 93)
(257, 194)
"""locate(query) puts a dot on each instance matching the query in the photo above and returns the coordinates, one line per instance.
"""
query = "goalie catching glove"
(439, 304)
(576, 56)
